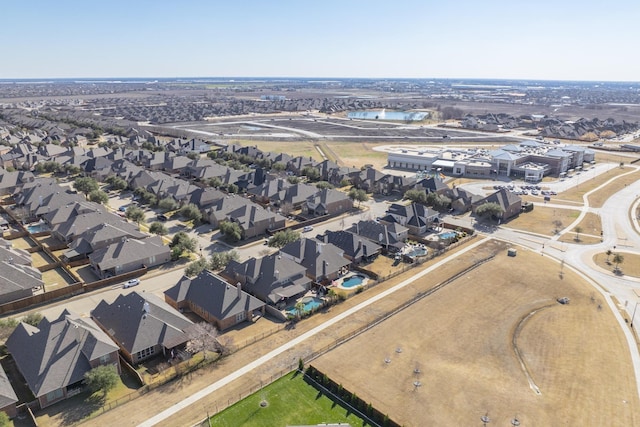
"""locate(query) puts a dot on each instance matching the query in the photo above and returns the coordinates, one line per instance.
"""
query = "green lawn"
(290, 401)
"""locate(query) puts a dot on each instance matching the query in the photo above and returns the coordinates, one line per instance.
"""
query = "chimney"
(239, 286)
(319, 248)
(145, 307)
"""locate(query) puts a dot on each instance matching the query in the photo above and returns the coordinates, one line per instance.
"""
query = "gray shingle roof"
(57, 353)
(271, 276)
(352, 244)
(16, 277)
(319, 258)
(136, 328)
(128, 250)
(7, 394)
(213, 294)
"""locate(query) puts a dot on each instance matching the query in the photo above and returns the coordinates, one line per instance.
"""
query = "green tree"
(416, 195)
(324, 184)
(191, 212)
(609, 252)
(278, 167)
(72, 169)
(282, 238)
(293, 180)
(5, 421)
(441, 202)
(85, 184)
(135, 214)
(32, 318)
(116, 182)
(358, 195)
(183, 242)
(345, 182)
(102, 378)
(311, 173)
(168, 204)
(196, 267)
(489, 209)
(232, 188)
(231, 231)
(147, 197)
(99, 196)
(214, 182)
(299, 309)
(158, 228)
(7, 327)
(220, 260)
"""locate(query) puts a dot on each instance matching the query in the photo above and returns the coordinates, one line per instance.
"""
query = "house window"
(104, 360)
(54, 395)
(241, 316)
(152, 260)
(143, 354)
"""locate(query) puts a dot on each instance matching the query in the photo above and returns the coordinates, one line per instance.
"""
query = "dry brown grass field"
(614, 157)
(587, 183)
(591, 227)
(358, 154)
(598, 198)
(541, 220)
(463, 340)
(293, 148)
(630, 266)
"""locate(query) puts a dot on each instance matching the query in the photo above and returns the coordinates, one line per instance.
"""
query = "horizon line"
(230, 79)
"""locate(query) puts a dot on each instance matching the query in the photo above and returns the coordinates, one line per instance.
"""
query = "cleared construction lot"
(496, 340)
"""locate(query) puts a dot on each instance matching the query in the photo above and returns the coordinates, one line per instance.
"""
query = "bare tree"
(286, 208)
(203, 337)
(558, 225)
(578, 230)
(617, 260)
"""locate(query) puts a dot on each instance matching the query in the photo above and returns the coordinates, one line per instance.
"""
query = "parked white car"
(131, 283)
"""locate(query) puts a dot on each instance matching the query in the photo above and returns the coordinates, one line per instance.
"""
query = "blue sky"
(551, 40)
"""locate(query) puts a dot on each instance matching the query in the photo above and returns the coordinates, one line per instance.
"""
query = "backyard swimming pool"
(37, 227)
(448, 235)
(353, 281)
(416, 251)
(310, 303)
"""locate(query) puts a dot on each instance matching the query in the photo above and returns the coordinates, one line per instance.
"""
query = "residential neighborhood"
(160, 247)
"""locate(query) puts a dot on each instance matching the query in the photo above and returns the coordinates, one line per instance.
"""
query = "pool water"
(448, 235)
(310, 303)
(355, 280)
(37, 228)
(416, 251)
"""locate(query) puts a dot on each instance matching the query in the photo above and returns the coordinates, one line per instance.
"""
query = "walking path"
(296, 341)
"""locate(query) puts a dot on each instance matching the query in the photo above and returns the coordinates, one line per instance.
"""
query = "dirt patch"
(460, 339)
